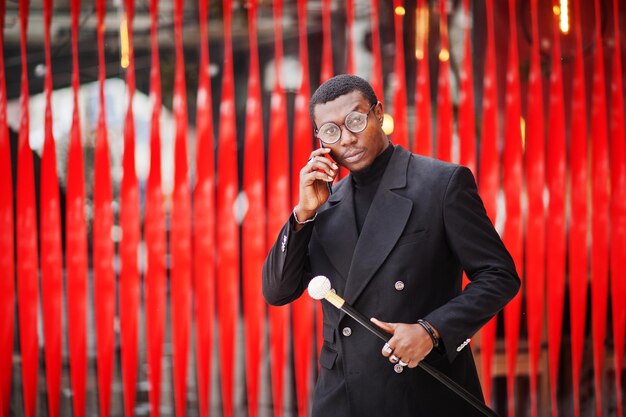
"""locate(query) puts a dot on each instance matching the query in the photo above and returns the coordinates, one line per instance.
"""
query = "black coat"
(426, 225)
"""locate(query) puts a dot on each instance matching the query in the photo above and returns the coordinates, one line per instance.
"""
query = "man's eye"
(329, 130)
(354, 121)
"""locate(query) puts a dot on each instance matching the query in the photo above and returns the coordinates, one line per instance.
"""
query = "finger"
(388, 327)
(393, 359)
(321, 164)
(386, 350)
(324, 160)
(318, 152)
(414, 362)
(308, 178)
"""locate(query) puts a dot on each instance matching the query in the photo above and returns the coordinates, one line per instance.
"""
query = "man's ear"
(378, 111)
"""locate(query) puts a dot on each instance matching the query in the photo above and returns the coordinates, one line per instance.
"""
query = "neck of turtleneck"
(366, 184)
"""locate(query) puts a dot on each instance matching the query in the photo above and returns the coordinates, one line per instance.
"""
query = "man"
(394, 238)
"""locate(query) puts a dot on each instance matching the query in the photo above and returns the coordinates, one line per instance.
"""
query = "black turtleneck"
(366, 183)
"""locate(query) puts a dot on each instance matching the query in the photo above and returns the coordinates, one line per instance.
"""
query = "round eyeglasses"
(355, 122)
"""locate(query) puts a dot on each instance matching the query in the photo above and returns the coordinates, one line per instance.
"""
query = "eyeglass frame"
(316, 131)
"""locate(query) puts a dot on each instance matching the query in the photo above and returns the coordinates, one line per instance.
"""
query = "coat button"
(399, 285)
(398, 368)
(346, 331)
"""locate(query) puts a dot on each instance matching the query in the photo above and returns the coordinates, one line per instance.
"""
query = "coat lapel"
(383, 225)
(336, 230)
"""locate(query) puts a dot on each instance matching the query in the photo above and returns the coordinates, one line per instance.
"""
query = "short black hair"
(338, 86)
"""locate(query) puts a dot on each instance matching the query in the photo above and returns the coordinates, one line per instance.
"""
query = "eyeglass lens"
(355, 122)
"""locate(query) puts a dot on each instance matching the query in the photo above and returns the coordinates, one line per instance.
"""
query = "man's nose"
(347, 137)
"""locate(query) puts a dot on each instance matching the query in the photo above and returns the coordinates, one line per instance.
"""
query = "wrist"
(302, 216)
(432, 332)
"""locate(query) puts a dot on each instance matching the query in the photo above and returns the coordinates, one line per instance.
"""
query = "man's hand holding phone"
(315, 178)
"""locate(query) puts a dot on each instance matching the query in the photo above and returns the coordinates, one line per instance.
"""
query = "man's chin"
(357, 166)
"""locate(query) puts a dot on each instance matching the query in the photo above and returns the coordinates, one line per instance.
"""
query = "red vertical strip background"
(512, 185)
(577, 242)
(278, 204)
(489, 179)
(181, 226)
(422, 142)
(131, 234)
(7, 288)
(27, 265)
(350, 64)
(618, 211)
(227, 229)
(204, 221)
(76, 243)
(377, 65)
(302, 146)
(444, 98)
(103, 248)
(466, 121)
(600, 211)
(401, 129)
(327, 43)
(535, 241)
(154, 231)
(254, 245)
(51, 257)
(555, 231)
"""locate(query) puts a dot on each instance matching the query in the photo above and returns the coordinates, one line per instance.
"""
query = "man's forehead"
(347, 102)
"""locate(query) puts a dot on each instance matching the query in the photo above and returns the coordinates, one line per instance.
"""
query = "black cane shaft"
(365, 322)
(441, 377)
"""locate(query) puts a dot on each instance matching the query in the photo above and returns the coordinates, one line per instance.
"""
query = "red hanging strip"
(131, 233)
(466, 117)
(327, 43)
(512, 184)
(76, 242)
(350, 64)
(154, 231)
(103, 247)
(377, 64)
(278, 203)
(302, 147)
(327, 70)
(535, 241)
(618, 211)
(422, 142)
(444, 98)
(181, 226)
(227, 228)
(555, 232)
(51, 256)
(7, 289)
(204, 220)
(600, 211)
(577, 243)
(254, 246)
(400, 133)
(27, 265)
(489, 178)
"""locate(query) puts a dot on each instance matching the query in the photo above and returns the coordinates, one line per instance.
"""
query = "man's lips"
(353, 156)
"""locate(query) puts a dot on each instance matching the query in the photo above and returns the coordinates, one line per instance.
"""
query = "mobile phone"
(328, 184)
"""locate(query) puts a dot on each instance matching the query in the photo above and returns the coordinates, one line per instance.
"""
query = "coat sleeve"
(483, 257)
(285, 271)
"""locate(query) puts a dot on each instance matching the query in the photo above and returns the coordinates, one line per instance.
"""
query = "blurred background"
(149, 154)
